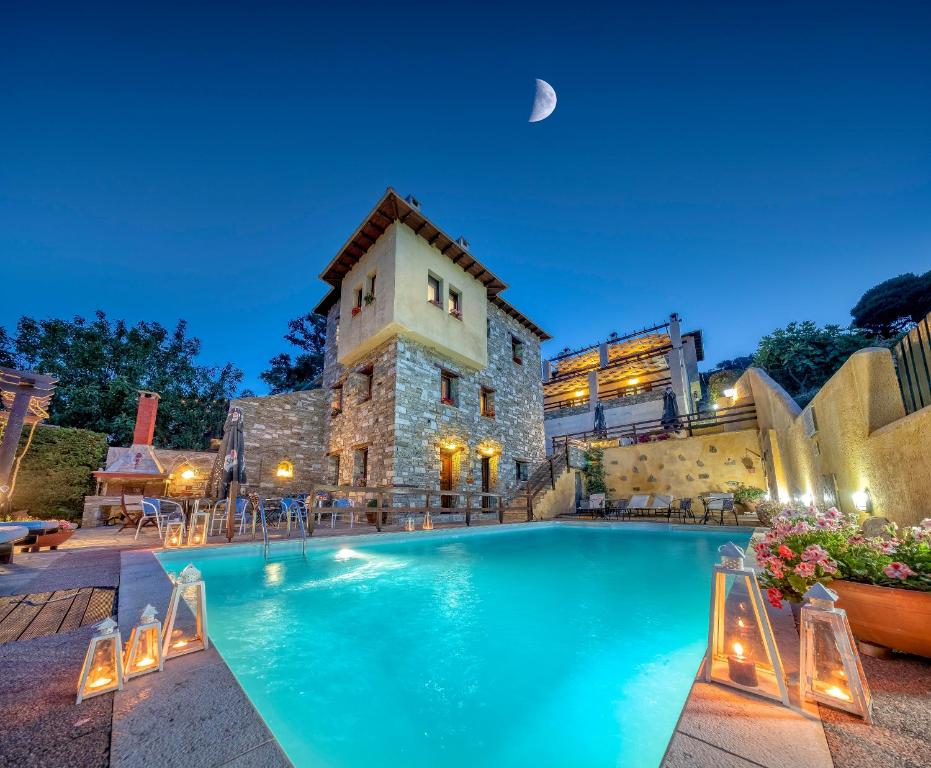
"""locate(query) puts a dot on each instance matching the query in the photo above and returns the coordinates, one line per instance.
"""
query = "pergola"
(26, 397)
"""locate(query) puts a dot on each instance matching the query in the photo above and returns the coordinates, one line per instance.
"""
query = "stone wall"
(687, 467)
(862, 439)
(289, 427)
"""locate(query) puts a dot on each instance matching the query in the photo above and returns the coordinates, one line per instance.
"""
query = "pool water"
(545, 645)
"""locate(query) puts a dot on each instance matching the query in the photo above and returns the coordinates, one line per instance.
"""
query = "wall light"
(188, 474)
(731, 393)
(633, 381)
(580, 393)
(863, 500)
(285, 469)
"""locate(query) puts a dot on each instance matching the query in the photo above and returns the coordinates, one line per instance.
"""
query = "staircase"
(544, 478)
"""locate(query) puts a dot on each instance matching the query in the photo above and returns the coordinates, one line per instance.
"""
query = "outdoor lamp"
(103, 663)
(144, 650)
(188, 474)
(409, 523)
(185, 629)
(742, 650)
(731, 393)
(427, 524)
(174, 534)
(285, 469)
(831, 672)
(197, 531)
(863, 500)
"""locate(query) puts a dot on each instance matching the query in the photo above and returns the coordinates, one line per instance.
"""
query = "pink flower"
(785, 553)
(800, 527)
(896, 570)
(775, 567)
(829, 567)
(762, 550)
(805, 570)
(833, 514)
(857, 538)
(926, 523)
(815, 554)
(775, 597)
(889, 547)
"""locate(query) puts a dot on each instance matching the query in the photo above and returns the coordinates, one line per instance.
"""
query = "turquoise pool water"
(551, 646)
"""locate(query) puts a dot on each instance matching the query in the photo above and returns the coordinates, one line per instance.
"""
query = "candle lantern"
(197, 530)
(742, 650)
(831, 672)
(144, 650)
(103, 664)
(174, 534)
(409, 523)
(185, 629)
(427, 524)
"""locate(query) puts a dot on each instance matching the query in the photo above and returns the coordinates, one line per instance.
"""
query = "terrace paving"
(195, 714)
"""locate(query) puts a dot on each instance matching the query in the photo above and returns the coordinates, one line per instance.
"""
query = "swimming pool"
(545, 645)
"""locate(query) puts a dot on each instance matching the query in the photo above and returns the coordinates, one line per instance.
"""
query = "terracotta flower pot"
(894, 618)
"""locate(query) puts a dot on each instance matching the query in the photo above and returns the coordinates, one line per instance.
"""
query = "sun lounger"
(639, 504)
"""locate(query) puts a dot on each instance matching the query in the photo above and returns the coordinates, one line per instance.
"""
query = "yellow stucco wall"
(863, 439)
(685, 468)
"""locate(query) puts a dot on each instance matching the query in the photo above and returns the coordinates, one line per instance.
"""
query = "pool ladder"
(300, 523)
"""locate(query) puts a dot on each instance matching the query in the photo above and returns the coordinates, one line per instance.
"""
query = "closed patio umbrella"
(601, 426)
(234, 465)
(670, 420)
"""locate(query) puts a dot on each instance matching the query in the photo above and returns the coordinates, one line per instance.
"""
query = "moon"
(544, 102)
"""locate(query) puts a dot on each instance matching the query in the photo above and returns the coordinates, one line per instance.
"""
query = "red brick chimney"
(145, 418)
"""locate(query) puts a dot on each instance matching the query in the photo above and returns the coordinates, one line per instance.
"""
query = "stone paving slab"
(192, 714)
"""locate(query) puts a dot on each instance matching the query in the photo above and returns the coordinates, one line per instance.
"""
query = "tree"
(802, 356)
(100, 366)
(890, 307)
(308, 333)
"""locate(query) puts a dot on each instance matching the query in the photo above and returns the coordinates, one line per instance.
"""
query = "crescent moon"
(544, 102)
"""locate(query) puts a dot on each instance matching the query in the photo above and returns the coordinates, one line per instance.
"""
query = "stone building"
(431, 379)
(627, 373)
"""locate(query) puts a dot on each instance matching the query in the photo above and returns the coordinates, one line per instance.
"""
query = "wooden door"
(446, 479)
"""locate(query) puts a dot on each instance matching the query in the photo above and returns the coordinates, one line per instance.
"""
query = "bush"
(747, 494)
(55, 474)
(595, 471)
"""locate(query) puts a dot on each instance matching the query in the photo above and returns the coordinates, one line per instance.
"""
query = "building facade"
(431, 379)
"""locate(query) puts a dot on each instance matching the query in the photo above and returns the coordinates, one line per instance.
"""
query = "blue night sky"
(743, 166)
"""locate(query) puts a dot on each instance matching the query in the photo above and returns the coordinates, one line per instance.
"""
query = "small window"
(360, 466)
(434, 290)
(371, 290)
(357, 301)
(523, 471)
(367, 374)
(517, 350)
(487, 402)
(447, 388)
(455, 303)
(336, 400)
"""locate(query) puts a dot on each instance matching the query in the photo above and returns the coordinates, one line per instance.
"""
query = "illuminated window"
(487, 402)
(434, 290)
(447, 388)
(455, 303)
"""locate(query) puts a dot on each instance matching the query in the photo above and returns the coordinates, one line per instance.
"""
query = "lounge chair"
(617, 507)
(10, 534)
(639, 504)
(660, 504)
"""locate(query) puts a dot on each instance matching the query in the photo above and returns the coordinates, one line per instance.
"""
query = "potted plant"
(369, 299)
(447, 401)
(457, 313)
(883, 582)
(747, 497)
(356, 311)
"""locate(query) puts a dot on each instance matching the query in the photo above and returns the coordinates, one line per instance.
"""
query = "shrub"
(595, 471)
(747, 494)
(55, 474)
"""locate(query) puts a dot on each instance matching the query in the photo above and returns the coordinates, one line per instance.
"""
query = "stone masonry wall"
(288, 427)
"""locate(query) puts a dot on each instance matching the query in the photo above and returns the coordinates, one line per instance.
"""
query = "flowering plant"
(802, 548)
(65, 525)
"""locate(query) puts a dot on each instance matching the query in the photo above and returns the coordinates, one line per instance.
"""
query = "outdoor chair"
(639, 504)
(684, 510)
(617, 507)
(660, 504)
(157, 512)
(218, 515)
(720, 504)
(130, 512)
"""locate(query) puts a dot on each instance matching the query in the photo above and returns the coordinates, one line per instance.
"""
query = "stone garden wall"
(685, 468)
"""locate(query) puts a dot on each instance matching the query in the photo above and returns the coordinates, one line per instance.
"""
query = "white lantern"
(174, 534)
(197, 530)
(185, 629)
(427, 524)
(409, 523)
(144, 649)
(831, 672)
(103, 664)
(742, 650)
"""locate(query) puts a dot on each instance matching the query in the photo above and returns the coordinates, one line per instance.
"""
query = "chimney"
(145, 418)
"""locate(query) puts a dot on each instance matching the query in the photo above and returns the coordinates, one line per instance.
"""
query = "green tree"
(595, 471)
(101, 364)
(802, 356)
(307, 333)
(894, 304)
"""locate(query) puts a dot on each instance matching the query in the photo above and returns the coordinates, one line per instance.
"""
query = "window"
(357, 302)
(517, 350)
(447, 388)
(336, 400)
(523, 471)
(455, 303)
(434, 289)
(487, 402)
(371, 290)
(360, 466)
(367, 374)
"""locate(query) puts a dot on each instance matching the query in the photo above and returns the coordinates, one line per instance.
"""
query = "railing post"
(468, 511)
(311, 515)
(378, 512)
(501, 509)
(552, 475)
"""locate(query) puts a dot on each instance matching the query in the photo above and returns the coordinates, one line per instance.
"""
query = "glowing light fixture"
(185, 629)
(174, 534)
(831, 672)
(634, 381)
(731, 392)
(427, 524)
(188, 474)
(580, 393)
(144, 649)
(863, 500)
(103, 664)
(742, 650)
(197, 530)
(285, 469)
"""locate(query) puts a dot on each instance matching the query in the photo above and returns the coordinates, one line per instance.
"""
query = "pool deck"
(194, 713)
